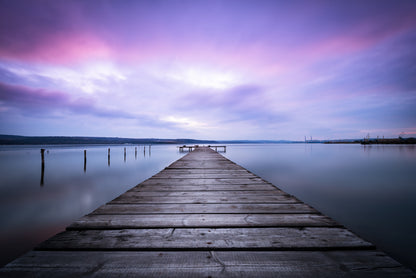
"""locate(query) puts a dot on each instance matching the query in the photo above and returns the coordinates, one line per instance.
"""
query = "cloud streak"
(216, 69)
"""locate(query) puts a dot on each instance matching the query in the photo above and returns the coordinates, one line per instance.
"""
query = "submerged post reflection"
(85, 160)
(108, 162)
(42, 154)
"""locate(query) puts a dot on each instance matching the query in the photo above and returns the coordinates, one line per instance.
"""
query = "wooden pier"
(205, 216)
(217, 148)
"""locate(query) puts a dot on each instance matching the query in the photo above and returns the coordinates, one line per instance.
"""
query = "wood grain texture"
(299, 264)
(97, 221)
(134, 199)
(203, 208)
(194, 181)
(206, 239)
(203, 187)
(205, 194)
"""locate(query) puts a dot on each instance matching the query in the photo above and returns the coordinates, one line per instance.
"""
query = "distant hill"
(71, 140)
(80, 140)
(257, 141)
(64, 140)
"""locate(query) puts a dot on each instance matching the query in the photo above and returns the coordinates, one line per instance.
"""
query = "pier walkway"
(205, 216)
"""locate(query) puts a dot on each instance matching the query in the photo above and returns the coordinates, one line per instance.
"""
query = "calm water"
(369, 189)
(31, 212)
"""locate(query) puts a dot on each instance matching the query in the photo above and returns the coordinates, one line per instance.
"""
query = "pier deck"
(205, 216)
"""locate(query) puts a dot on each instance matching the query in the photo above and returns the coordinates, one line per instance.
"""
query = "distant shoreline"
(389, 141)
(75, 140)
(79, 140)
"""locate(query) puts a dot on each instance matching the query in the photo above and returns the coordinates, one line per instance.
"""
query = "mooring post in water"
(135, 152)
(124, 154)
(150, 150)
(108, 157)
(144, 150)
(42, 154)
(85, 160)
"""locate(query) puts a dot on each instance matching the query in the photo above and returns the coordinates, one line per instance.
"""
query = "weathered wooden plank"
(203, 159)
(132, 199)
(204, 165)
(164, 175)
(327, 264)
(214, 181)
(205, 194)
(207, 239)
(209, 154)
(180, 165)
(203, 208)
(205, 171)
(207, 187)
(98, 221)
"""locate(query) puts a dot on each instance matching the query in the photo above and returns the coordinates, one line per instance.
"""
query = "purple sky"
(208, 69)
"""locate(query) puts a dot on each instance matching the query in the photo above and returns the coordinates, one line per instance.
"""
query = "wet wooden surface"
(205, 216)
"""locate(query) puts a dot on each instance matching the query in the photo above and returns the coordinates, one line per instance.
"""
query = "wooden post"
(124, 154)
(42, 154)
(135, 152)
(108, 157)
(85, 160)
(149, 150)
(144, 150)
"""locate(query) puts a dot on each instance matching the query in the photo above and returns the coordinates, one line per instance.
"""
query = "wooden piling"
(42, 174)
(135, 152)
(85, 160)
(205, 216)
(124, 154)
(108, 160)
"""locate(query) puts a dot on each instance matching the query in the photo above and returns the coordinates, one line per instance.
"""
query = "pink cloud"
(61, 49)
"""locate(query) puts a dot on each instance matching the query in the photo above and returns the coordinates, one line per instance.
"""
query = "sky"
(230, 70)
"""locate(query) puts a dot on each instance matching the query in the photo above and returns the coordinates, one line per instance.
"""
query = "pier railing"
(217, 148)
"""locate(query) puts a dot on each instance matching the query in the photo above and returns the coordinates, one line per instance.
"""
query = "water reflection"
(108, 159)
(30, 214)
(368, 188)
(42, 154)
(85, 161)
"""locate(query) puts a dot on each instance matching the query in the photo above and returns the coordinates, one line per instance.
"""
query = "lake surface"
(31, 212)
(369, 189)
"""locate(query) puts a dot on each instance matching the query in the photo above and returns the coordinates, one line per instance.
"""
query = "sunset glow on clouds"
(208, 69)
